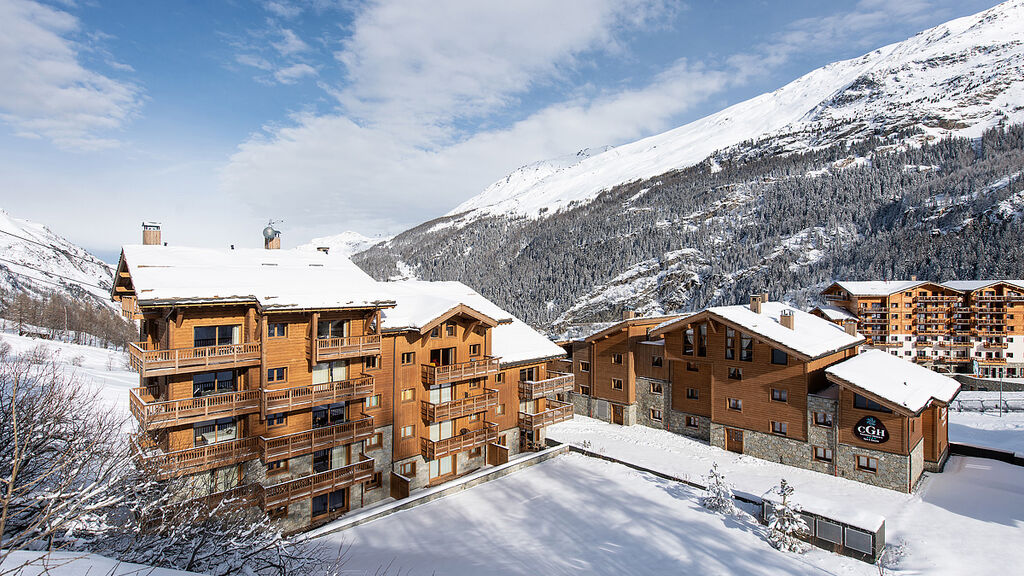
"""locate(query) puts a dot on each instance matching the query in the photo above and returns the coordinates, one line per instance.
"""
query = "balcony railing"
(533, 389)
(300, 443)
(149, 361)
(435, 375)
(434, 449)
(994, 345)
(345, 347)
(296, 397)
(459, 408)
(992, 361)
(557, 412)
(306, 487)
(920, 344)
(936, 299)
(193, 460)
(130, 308)
(153, 414)
(1005, 298)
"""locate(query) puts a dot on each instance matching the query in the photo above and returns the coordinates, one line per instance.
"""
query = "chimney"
(628, 315)
(271, 237)
(850, 326)
(755, 303)
(324, 249)
(151, 233)
(913, 278)
(786, 319)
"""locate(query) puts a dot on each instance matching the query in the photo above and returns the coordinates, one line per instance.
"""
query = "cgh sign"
(871, 429)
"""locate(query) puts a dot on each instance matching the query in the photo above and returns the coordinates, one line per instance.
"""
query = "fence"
(987, 401)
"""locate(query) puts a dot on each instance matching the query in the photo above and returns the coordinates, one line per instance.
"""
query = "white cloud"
(46, 91)
(290, 44)
(294, 73)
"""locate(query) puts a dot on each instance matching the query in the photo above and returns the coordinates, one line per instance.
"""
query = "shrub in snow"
(785, 525)
(718, 492)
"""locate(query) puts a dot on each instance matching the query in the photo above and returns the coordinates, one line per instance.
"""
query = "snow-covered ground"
(957, 522)
(988, 429)
(76, 564)
(574, 515)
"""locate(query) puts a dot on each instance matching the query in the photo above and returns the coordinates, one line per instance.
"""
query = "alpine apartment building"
(966, 326)
(773, 382)
(295, 380)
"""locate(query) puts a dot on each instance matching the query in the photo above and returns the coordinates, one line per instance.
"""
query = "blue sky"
(340, 114)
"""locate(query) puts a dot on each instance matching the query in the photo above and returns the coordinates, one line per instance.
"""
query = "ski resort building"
(971, 326)
(776, 383)
(297, 381)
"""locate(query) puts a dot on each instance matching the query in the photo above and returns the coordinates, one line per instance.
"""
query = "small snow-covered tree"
(718, 492)
(785, 525)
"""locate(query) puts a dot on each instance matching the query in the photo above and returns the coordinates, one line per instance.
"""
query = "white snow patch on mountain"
(347, 243)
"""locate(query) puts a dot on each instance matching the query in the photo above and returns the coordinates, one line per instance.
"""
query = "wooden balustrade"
(434, 375)
(533, 389)
(345, 347)
(459, 408)
(558, 412)
(296, 397)
(299, 443)
(147, 360)
(992, 361)
(193, 460)
(434, 449)
(130, 308)
(153, 414)
(306, 487)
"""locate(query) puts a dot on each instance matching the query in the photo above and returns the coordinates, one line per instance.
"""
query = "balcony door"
(332, 329)
(442, 467)
(329, 415)
(528, 374)
(441, 395)
(442, 430)
(203, 336)
(442, 356)
(208, 383)
(336, 371)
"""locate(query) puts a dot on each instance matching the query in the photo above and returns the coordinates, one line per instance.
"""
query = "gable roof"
(972, 285)
(811, 336)
(834, 313)
(902, 383)
(876, 287)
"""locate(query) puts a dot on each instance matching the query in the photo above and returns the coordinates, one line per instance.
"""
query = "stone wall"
(677, 423)
(588, 406)
(893, 469)
(822, 436)
(646, 400)
(776, 448)
(716, 435)
(381, 464)
(916, 462)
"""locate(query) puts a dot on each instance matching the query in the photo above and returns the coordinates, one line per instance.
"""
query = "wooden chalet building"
(296, 380)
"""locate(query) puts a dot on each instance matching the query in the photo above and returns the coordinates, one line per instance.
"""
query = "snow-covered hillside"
(35, 259)
(346, 243)
(958, 78)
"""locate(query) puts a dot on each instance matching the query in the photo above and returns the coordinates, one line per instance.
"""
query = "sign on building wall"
(871, 430)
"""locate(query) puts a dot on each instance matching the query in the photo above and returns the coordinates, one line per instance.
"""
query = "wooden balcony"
(296, 397)
(557, 412)
(436, 375)
(149, 361)
(919, 344)
(994, 345)
(432, 413)
(325, 349)
(432, 450)
(300, 443)
(167, 465)
(130, 308)
(152, 414)
(992, 361)
(533, 389)
(936, 299)
(995, 299)
(306, 487)
(990, 331)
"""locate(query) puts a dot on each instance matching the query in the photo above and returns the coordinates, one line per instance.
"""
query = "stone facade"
(822, 436)
(677, 424)
(646, 400)
(382, 465)
(893, 469)
(602, 409)
(916, 463)
(776, 448)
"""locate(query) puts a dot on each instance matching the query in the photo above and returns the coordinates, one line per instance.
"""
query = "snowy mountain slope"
(346, 243)
(958, 78)
(36, 260)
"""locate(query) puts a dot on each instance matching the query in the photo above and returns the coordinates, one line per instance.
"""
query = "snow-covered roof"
(810, 336)
(834, 313)
(877, 287)
(516, 342)
(972, 285)
(277, 279)
(891, 378)
(599, 328)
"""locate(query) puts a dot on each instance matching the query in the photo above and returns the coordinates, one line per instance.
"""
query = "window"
(656, 361)
(474, 417)
(407, 469)
(585, 390)
(735, 373)
(371, 362)
(688, 341)
(779, 357)
(822, 454)
(692, 367)
(373, 401)
(499, 409)
(474, 384)
(476, 452)
(867, 464)
(277, 467)
(499, 377)
(584, 366)
(374, 442)
(408, 394)
(408, 358)
(746, 347)
(692, 422)
(449, 330)
(780, 395)
(276, 419)
(780, 428)
(474, 349)
(692, 394)
(279, 512)
(216, 335)
(220, 430)
(656, 388)
(276, 375)
(616, 384)
(435, 332)
(616, 358)
(702, 340)
(823, 419)
(655, 414)
(735, 404)
(213, 383)
(329, 415)
(866, 404)
(326, 503)
(375, 481)
(408, 431)
(277, 330)
(730, 344)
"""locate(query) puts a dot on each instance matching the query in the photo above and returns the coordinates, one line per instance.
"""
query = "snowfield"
(988, 429)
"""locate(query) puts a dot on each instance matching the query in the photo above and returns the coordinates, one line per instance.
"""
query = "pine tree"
(785, 525)
(718, 492)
